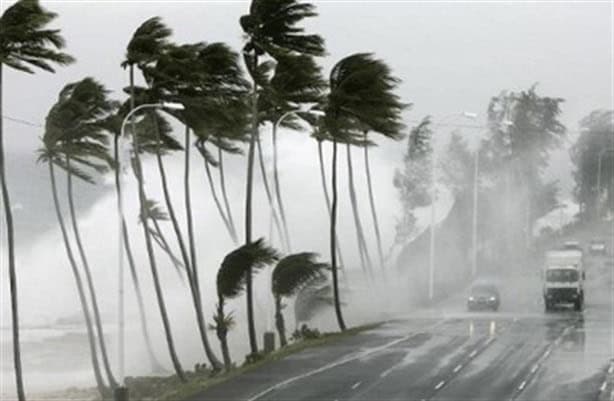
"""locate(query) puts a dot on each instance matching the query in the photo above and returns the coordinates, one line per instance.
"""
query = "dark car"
(483, 296)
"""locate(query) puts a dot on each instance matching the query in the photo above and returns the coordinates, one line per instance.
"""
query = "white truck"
(563, 278)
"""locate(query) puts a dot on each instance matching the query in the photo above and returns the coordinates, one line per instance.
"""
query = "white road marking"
(473, 353)
(522, 385)
(343, 361)
(603, 386)
(355, 385)
(457, 368)
(440, 385)
(534, 368)
(611, 369)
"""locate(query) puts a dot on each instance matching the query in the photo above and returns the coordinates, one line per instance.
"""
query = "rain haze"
(488, 269)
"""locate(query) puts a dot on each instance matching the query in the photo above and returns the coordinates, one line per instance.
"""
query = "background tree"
(596, 139)
(524, 130)
(271, 31)
(232, 278)
(413, 182)
(292, 274)
(26, 44)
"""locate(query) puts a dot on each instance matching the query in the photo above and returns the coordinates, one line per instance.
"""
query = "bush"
(305, 333)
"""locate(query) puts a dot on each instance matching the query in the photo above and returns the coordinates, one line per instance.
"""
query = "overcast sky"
(452, 57)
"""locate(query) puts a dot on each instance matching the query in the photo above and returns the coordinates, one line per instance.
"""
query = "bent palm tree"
(144, 48)
(25, 44)
(360, 96)
(291, 275)
(271, 30)
(231, 281)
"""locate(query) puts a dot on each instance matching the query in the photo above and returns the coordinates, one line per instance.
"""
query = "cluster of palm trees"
(223, 111)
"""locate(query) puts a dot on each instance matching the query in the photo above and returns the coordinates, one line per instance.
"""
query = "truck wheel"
(578, 305)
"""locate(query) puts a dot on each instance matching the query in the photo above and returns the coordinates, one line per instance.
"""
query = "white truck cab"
(563, 279)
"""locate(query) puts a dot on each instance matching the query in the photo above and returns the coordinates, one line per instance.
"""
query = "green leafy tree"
(596, 141)
(413, 181)
(232, 279)
(26, 44)
(271, 30)
(291, 275)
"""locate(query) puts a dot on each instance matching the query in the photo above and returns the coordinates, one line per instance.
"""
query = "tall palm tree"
(359, 96)
(78, 117)
(207, 79)
(144, 48)
(232, 278)
(74, 119)
(292, 274)
(271, 31)
(25, 44)
(363, 251)
(297, 81)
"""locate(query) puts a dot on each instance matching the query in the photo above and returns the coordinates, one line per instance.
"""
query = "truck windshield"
(562, 275)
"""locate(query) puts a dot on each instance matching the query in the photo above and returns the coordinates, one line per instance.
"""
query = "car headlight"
(471, 298)
(493, 298)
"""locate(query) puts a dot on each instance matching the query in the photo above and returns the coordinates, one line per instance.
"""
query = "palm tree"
(363, 251)
(74, 119)
(232, 279)
(297, 81)
(359, 96)
(271, 30)
(143, 49)
(291, 275)
(25, 44)
(85, 145)
(207, 79)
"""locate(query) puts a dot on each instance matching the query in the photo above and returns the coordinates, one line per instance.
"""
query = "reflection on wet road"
(446, 353)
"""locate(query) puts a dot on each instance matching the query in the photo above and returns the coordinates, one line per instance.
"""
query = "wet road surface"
(446, 353)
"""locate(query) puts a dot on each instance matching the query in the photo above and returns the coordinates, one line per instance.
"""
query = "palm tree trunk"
(378, 237)
(12, 268)
(215, 363)
(282, 234)
(88, 279)
(333, 242)
(163, 244)
(222, 332)
(153, 361)
(251, 329)
(279, 322)
(365, 259)
(225, 195)
(218, 203)
(280, 202)
(327, 199)
(102, 388)
(150, 252)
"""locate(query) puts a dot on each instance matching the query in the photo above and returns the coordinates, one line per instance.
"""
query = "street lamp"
(443, 122)
(120, 204)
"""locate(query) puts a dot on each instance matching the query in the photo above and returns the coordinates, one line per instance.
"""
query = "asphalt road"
(446, 353)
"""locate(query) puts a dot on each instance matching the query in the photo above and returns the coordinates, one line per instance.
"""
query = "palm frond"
(24, 41)
(295, 272)
(147, 42)
(237, 264)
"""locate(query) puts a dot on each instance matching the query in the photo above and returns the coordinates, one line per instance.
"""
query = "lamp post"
(432, 232)
(121, 393)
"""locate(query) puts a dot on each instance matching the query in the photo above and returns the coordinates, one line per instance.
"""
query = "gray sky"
(451, 57)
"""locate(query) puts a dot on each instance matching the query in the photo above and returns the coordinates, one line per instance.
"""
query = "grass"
(172, 389)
